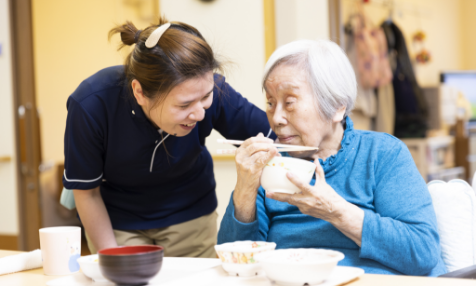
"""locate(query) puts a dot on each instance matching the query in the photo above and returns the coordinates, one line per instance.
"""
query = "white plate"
(218, 277)
(343, 274)
(205, 272)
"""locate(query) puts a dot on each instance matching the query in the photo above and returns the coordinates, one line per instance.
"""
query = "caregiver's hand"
(322, 201)
(250, 160)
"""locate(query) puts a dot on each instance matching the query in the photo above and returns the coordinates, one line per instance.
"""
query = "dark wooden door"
(26, 123)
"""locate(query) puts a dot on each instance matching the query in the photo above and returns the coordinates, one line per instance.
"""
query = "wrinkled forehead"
(286, 78)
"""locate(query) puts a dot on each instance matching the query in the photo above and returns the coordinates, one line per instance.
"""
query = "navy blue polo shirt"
(109, 142)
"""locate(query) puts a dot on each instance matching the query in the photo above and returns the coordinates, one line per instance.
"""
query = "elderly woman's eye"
(270, 104)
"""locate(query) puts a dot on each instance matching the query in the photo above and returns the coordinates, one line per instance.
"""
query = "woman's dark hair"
(181, 54)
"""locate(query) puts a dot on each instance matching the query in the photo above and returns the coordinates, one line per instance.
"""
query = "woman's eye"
(269, 104)
(184, 107)
(289, 102)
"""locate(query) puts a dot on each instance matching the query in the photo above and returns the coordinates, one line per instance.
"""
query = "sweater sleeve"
(401, 231)
(232, 229)
(235, 117)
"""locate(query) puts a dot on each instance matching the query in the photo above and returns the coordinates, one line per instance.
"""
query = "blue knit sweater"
(376, 172)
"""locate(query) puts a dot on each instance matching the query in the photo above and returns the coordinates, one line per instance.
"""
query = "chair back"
(455, 208)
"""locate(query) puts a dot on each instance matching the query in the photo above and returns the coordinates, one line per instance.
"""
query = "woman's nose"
(198, 113)
(279, 117)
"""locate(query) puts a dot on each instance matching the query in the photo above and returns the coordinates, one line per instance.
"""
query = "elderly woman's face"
(291, 108)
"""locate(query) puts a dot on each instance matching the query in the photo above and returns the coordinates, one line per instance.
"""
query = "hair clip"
(153, 39)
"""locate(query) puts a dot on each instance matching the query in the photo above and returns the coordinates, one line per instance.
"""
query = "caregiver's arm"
(95, 218)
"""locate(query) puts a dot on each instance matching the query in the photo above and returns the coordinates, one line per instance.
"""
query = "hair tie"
(153, 39)
(136, 36)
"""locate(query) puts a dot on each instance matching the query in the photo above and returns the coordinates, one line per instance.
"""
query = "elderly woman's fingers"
(262, 156)
(292, 199)
(258, 139)
(258, 147)
(243, 151)
(319, 171)
(302, 185)
(282, 197)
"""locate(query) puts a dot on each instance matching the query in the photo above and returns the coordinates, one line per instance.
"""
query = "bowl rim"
(85, 259)
(228, 246)
(290, 159)
(268, 257)
(154, 248)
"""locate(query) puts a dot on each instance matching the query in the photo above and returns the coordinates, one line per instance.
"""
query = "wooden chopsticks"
(281, 147)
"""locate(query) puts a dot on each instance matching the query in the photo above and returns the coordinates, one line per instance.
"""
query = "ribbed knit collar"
(334, 163)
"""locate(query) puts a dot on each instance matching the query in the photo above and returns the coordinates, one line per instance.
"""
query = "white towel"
(20, 262)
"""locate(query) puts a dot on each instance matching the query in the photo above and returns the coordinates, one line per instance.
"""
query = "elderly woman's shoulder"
(383, 141)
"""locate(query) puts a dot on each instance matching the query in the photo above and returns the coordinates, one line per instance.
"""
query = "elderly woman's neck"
(332, 143)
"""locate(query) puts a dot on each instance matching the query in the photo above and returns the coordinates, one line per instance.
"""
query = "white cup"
(60, 248)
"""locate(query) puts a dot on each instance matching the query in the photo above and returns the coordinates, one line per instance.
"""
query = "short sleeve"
(83, 149)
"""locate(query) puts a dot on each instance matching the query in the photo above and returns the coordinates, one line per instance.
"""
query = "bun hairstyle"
(180, 54)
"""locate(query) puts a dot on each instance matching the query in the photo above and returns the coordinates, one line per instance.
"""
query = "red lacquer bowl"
(131, 265)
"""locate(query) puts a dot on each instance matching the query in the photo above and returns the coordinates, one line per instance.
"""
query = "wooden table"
(36, 277)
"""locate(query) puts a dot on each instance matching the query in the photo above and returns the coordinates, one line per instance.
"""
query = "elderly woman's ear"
(340, 113)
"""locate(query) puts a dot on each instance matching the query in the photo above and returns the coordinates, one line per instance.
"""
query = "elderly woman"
(367, 199)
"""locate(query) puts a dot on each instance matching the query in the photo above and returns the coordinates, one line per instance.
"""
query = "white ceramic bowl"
(238, 258)
(90, 267)
(296, 267)
(273, 178)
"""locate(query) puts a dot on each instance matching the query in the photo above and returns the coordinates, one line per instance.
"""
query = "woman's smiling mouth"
(188, 126)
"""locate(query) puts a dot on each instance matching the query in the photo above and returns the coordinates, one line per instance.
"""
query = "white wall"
(8, 182)
(301, 19)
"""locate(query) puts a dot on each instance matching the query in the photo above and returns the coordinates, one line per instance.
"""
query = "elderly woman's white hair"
(328, 70)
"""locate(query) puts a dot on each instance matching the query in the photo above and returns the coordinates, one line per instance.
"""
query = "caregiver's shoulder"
(100, 83)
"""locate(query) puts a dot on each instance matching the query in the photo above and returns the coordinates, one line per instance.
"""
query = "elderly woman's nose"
(198, 113)
(279, 117)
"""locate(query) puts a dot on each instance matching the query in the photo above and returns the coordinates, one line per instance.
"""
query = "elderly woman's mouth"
(286, 139)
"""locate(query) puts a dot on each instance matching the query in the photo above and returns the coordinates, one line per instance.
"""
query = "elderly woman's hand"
(322, 201)
(250, 160)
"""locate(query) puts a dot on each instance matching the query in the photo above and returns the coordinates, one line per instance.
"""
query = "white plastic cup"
(60, 248)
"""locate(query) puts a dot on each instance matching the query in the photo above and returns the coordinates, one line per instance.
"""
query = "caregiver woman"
(135, 152)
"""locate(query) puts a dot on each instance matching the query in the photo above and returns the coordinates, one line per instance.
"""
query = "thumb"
(260, 135)
(272, 152)
(319, 171)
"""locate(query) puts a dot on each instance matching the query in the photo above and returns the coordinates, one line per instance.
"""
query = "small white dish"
(274, 179)
(341, 275)
(90, 267)
(238, 258)
(301, 266)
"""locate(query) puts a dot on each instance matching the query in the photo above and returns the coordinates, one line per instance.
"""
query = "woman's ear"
(142, 100)
(339, 114)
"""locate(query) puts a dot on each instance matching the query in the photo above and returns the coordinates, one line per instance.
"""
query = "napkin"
(20, 262)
